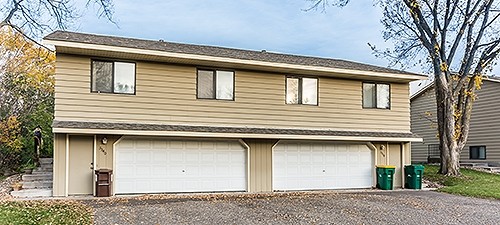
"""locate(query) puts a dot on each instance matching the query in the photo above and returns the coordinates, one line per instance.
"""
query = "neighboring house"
(169, 117)
(483, 144)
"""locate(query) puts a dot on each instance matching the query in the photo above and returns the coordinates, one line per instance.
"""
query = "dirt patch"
(430, 184)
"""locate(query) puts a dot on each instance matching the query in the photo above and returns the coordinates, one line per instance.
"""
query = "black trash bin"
(103, 182)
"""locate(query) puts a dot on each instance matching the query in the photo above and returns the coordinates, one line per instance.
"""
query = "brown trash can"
(103, 182)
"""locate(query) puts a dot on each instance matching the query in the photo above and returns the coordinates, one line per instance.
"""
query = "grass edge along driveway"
(471, 183)
(45, 212)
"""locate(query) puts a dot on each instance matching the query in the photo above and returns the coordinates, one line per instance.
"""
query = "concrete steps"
(32, 193)
(490, 169)
(43, 170)
(46, 160)
(38, 183)
(474, 164)
(37, 176)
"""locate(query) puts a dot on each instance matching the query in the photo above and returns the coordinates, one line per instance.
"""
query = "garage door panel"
(179, 166)
(191, 145)
(321, 165)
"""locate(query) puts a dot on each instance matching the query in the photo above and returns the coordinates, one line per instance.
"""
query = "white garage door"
(159, 166)
(321, 165)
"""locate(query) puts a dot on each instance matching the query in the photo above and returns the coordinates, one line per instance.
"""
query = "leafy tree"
(459, 41)
(26, 97)
(27, 69)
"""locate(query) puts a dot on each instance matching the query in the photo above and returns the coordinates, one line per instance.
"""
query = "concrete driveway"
(366, 207)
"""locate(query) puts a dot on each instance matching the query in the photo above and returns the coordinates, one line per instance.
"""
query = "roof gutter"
(79, 45)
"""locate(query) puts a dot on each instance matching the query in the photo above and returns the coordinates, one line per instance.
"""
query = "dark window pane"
(205, 84)
(310, 91)
(102, 76)
(124, 78)
(383, 96)
(292, 91)
(369, 100)
(477, 152)
(482, 152)
(225, 85)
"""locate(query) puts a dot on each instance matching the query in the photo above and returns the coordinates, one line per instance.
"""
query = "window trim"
(214, 82)
(376, 103)
(299, 77)
(477, 146)
(112, 76)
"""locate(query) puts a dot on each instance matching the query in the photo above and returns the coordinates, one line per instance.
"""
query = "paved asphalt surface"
(365, 207)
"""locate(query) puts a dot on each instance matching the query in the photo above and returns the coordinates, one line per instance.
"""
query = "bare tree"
(34, 17)
(460, 41)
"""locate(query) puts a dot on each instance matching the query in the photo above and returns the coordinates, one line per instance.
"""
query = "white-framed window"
(215, 84)
(113, 77)
(301, 90)
(376, 95)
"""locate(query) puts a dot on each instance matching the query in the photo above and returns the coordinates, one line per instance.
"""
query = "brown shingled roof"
(217, 52)
(238, 130)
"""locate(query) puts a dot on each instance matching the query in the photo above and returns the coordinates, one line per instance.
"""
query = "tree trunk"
(450, 151)
(450, 164)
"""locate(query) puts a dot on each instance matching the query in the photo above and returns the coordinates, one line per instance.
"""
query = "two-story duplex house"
(169, 117)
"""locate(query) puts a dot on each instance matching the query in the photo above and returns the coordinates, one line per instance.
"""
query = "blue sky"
(275, 25)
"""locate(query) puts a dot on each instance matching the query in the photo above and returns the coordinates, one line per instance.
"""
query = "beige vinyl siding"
(484, 125)
(167, 94)
(104, 153)
(260, 164)
(59, 174)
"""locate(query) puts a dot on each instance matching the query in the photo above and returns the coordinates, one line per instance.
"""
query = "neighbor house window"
(477, 152)
(376, 96)
(302, 90)
(215, 84)
(113, 77)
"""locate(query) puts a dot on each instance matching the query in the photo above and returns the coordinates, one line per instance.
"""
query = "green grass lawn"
(44, 212)
(472, 183)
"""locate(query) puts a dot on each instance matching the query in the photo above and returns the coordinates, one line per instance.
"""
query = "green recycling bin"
(413, 176)
(385, 177)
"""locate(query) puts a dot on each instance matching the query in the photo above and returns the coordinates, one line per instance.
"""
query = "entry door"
(80, 177)
(395, 160)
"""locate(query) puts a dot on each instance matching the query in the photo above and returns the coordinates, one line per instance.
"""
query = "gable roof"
(431, 84)
(58, 37)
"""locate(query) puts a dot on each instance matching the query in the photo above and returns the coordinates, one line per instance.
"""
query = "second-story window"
(376, 95)
(113, 77)
(302, 90)
(215, 84)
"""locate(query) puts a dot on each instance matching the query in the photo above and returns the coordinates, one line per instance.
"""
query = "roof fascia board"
(431, 84)
(70, 44)
(231, 135)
